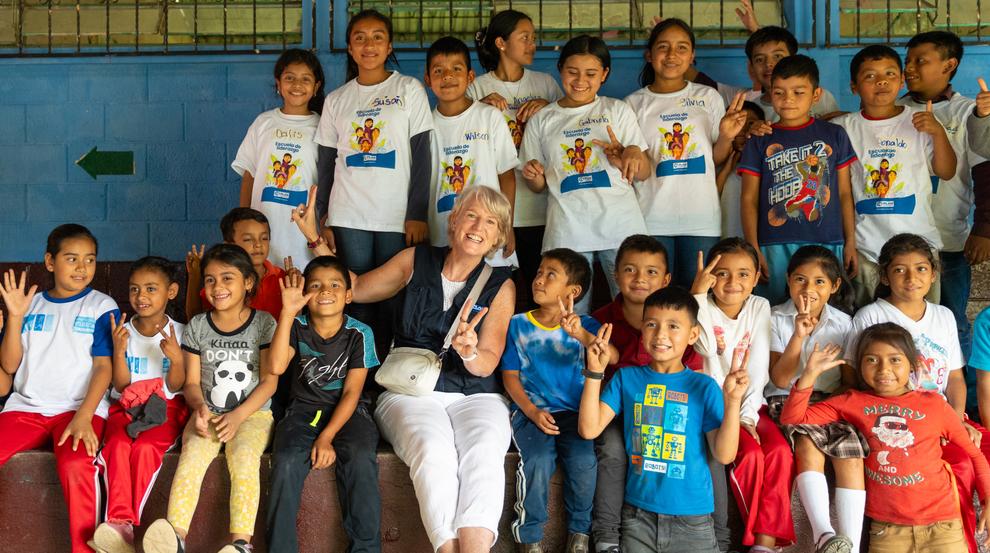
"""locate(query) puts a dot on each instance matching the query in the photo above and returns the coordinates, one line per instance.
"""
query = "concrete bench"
(33, 516)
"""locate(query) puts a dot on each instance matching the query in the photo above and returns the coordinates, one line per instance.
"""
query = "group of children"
(645, 401)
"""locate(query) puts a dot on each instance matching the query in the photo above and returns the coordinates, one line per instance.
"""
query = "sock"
(813, 489)
(849, 507)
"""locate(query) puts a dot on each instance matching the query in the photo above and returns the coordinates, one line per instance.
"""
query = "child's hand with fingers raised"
(119, 333)
(598, 353)
(821, 360)
(925, 121)
(293, 298)
(193, 259)
(465, 341)
(15, 295)
(704, 280)
(170, 343)
(304, 216)
(982, 99)
(735, 117)
(569, 320)
(734, 389)
(804, 323)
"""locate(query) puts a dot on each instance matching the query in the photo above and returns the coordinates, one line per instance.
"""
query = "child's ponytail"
(501, 26)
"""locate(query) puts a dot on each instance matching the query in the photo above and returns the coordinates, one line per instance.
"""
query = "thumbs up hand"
(983, 99)
(924, 121)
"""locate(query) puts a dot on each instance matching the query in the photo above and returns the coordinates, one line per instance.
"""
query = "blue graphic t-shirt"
(799, 186)
(548, 360)
(665, 418)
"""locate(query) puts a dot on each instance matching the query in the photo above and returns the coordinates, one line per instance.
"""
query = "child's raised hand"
(193, 257)
(323, 454)
(821, 360)
(533, 171)
(529, 109)
(545, 422)
(293, 299)
(569, 321)
(983, 99)
(704, 279)
(598, 354)
(626, 160)
(170, 343)
(734, 388)
(81, 430)
(289, 267)
(735, 117)
(496, 100)
(17, 300)
(924, 121)
(465, 341)
(119, 333)
(202, 420)
(747, 16)
(804, 323)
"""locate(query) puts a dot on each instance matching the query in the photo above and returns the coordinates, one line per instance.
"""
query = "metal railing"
(861, 22)
(622, 23)
(153, 27)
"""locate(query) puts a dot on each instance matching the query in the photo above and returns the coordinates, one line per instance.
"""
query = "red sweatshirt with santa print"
(907, 482)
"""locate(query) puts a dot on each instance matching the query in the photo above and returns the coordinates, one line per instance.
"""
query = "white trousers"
(455, 447)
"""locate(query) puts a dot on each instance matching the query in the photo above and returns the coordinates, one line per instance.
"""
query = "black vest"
(424, 324)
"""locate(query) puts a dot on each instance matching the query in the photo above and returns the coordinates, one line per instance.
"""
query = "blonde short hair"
(493, 201)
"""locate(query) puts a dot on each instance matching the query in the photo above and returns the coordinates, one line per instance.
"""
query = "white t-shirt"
(934, 335)
(953, 200)
(833, 328)
(531, 208)
(370, 126)
(279, 151)
(719, 337)
(591, 206)
(680, 197)
(60, 337)
(472, 148)
(891, 180)
(145, 358)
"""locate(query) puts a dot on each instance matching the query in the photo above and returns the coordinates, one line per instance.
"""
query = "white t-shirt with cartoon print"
(891, 180)
(145, 359)
(591, 206)
(370, 126)
(531, 208)
(934, 335)
(953, 199)
(680, 197)
(472, 148)
(280, 153)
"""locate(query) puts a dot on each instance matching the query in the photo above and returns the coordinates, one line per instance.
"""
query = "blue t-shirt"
(549, 361)
(665, 418)
(799, 186)
(979, 358)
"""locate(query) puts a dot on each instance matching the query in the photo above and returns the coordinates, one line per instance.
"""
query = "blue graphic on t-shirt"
(446, 203)
(84, 325)
(886, 206)
(137, 365)
(285, 197)
(384, 159)
(582, 181)
(671, 167)
(38, 322)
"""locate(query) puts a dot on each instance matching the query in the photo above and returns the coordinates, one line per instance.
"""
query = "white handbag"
(415, 371)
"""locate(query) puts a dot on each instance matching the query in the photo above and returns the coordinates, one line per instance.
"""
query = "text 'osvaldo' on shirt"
(59, 339)
(680, 197)
(591, 206)
(370, 126)
(145, 359)
(230, 362)
(891, 180)
(934, 337)
(665, 418)
(472, 148)
(278, 150)
(799, 185)
(548, 360)
(531, 208)
(321, 364)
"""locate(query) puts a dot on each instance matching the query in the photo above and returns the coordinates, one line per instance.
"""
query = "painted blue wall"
(184, 118)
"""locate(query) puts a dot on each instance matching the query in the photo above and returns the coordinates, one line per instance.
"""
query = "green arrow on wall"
(107, 163)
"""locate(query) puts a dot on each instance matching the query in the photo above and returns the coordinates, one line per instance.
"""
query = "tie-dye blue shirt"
(548, 361)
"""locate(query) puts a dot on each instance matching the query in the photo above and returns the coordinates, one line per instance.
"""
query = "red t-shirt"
(906, 480)
(269, 296)
(629, 341)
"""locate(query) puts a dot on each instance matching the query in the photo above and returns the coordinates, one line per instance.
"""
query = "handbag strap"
(472, 297)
